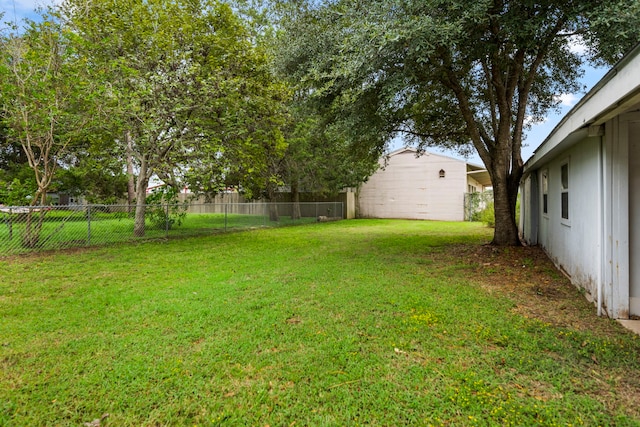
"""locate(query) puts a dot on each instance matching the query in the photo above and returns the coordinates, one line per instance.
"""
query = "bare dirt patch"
(528, 277)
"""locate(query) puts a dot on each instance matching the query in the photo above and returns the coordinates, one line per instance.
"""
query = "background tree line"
(97, 97)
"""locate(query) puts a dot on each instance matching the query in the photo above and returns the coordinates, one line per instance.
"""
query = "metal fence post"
(472, 204)
(10, 223)
(88, 225)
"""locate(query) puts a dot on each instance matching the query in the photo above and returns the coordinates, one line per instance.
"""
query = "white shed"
(581, 192)
(429, 186)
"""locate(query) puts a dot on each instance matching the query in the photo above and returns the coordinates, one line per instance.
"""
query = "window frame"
(565, 199)
(544, 178)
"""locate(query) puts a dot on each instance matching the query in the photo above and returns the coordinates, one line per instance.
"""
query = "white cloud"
(567, 99)
(577, 45)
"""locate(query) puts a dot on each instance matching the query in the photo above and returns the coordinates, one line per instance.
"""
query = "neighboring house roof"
(615, 93)
(479, 173)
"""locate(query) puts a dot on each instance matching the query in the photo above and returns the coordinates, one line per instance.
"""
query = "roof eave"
(618, 90)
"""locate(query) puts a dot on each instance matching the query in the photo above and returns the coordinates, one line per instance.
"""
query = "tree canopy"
(451, 73)
(181, 90)
(185, 85)
(188, 91)
(43, 109)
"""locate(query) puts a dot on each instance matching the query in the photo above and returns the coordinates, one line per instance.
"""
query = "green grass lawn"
(367, 322)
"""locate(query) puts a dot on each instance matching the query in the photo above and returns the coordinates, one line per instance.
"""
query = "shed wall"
(411, 188)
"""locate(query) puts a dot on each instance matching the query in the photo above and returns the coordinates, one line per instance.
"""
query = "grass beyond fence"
(364, 322)
(91, 225)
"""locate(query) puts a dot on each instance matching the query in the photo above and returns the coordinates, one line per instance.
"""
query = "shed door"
(634, 218)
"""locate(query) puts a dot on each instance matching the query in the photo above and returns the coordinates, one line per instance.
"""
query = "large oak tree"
(453, 73)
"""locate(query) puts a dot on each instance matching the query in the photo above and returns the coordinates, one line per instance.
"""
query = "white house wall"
(573, 244)
(599, 246)
(472, 182)
(529, 209)
(633, 128)
(615, 224)
(411, 188)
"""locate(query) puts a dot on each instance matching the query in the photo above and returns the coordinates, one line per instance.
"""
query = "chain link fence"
(31, 229)
(476, 206)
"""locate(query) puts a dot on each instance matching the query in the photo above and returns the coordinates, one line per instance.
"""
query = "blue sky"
(16, 10)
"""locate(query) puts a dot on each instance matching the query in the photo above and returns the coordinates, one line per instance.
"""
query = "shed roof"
(480, 175)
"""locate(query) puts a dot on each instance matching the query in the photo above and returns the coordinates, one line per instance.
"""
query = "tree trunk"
(141, 200)
(295, 199)
(33, 228)
(505, 195)
(141, 209)
(131, 188)
(34, 220)
(273, 207)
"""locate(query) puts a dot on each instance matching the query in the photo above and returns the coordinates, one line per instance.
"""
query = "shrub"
(164, 209)
(16, 192)
(487, 215)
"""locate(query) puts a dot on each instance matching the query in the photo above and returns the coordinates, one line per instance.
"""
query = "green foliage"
(486, 215)
(97, 177)
(16, 192)
(17, 183)
(186, 94)
(44, 89)
(614, 30)
(190, 89)
(164, 209)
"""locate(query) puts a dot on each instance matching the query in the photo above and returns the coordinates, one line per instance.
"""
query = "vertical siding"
(574, 244)
(634, 215)
(411, 188)
(530, 209)
(616, 222)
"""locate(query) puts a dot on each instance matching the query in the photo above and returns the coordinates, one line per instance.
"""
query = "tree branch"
(451, 80)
